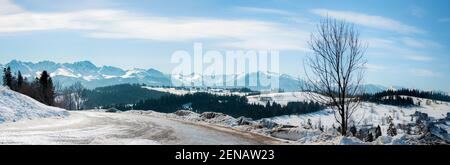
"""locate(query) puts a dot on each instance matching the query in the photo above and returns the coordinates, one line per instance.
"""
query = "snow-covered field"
(170, 90)
(15, 106)
(280, 98)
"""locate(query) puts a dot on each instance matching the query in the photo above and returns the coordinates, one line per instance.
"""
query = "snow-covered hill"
(280, 98)
(15, 106)
(366, 112)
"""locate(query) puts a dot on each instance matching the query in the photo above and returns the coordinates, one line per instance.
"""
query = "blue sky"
(408, 41)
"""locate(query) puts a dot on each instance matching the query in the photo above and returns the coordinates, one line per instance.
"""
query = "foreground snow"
(15, 106)
(137, 127)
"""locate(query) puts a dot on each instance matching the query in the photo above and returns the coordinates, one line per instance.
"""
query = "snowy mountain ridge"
(93, 76)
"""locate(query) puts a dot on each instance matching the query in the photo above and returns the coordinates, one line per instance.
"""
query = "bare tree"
(336, 69)
(71, 97)
(78, 90)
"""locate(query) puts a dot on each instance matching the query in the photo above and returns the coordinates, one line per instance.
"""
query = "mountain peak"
(85, 63)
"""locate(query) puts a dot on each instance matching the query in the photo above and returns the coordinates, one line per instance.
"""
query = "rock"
(112, 110)
(441, 130)
(183, 113)
(244, 121)
(210, 115)
(289, 126)
(421, 116)
(268, 123)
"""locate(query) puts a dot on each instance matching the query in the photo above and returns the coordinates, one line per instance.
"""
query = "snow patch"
(15, 106)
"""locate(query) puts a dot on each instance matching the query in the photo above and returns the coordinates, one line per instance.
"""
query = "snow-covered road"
(121, 128)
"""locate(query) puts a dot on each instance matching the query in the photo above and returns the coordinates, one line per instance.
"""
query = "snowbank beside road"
(15, 106)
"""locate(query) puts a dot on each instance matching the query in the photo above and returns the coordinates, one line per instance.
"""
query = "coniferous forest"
(403, 97)
(41, 88)
(235, 106)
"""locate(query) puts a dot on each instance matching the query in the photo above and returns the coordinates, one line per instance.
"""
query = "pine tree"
(8, 78)
(4, 77)
(19, 81)
(50, 92)
(46, 88)
(392, 131)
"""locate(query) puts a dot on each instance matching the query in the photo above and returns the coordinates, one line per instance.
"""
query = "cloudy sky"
(408, 41)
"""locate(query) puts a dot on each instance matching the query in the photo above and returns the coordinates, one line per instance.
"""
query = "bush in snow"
(378, 132)
(353, 130)
(392, 131)
(309, 124)
(370, 137)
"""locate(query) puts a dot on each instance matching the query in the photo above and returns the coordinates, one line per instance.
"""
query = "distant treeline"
(118, 94)
(41, 88)
(235, 106)
(395, 100)
(402, 97)
(417, 93)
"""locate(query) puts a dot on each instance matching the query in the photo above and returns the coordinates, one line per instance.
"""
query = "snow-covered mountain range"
(93, 76)
(89, 74)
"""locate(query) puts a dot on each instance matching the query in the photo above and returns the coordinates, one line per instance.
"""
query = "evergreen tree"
(392, 131)
(8, 78)
(4, 77)
(19, 81)
(46, 88)
(50, 92)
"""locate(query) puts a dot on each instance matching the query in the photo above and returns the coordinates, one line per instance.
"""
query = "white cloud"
(236, 33)
(375, 67)
(7, 7)
(417, 11)
(379, 43)
(264, 11)
(372, 21)
(444, 20)
(401, 47)
(425, 73)
(417, 43)
(421, 58)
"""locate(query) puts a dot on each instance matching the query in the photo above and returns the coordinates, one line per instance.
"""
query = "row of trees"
(395, 99)
(40, 89)
(235, 106)
(415, 93)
